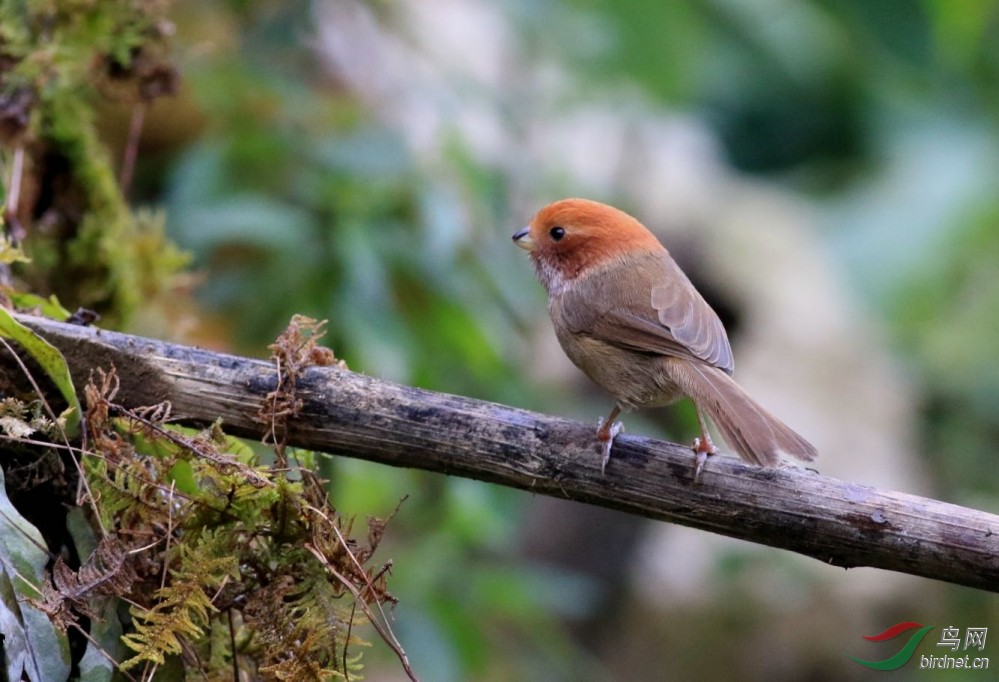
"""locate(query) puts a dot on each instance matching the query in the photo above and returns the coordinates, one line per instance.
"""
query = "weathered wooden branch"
(350, 414)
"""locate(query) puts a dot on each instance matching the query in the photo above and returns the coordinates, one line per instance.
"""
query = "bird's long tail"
(755, 434)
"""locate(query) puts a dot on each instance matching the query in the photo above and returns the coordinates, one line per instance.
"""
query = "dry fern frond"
(105, 573)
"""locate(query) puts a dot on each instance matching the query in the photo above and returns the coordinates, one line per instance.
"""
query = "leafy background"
(367, 162)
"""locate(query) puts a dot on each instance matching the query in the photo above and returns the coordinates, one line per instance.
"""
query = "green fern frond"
(182, 608)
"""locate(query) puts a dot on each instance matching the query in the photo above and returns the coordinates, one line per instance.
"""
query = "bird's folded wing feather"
(672, 319)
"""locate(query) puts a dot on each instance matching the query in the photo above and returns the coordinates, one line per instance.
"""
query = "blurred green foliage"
(947, 320)
(296, 199)
(86, 245)
(840, 98)
(299, 198)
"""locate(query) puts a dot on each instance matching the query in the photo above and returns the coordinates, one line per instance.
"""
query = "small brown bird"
(628, 317)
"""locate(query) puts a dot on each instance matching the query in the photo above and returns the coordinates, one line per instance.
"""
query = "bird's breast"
(634, 379)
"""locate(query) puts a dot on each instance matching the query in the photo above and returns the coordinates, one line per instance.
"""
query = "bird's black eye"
(556, 233)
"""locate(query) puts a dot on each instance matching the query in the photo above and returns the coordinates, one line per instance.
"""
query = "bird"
(627, 316)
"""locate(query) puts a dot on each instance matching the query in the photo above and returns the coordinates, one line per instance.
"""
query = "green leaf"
(106, 633)
(32, 648)
(49, 307)
(182, 475)
(106, 630)
(10, 253)
(50, 360)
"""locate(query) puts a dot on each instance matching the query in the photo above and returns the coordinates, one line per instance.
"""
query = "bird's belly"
(635, 379)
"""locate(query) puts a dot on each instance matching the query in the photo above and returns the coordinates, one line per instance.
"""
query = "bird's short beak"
(522, 238)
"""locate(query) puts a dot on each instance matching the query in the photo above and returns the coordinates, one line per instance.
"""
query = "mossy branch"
(346, 413)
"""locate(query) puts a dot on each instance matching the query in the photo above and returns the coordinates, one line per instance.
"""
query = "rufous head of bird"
(571, 237)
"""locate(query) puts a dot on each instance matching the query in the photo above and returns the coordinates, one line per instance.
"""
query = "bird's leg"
(606, 430)
(702, 446)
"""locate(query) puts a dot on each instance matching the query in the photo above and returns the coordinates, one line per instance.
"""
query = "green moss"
(86, 243)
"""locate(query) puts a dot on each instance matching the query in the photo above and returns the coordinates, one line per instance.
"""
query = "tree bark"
(353, 415)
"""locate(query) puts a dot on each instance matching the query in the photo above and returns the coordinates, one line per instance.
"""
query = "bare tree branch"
(353, 415)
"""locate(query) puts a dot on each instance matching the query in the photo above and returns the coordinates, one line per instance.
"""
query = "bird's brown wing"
(615, 306)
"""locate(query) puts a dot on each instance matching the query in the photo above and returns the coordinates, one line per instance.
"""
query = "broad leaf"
(50, 360)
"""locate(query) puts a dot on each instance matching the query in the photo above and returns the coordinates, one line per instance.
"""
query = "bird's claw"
(606, 437)
(701, 448)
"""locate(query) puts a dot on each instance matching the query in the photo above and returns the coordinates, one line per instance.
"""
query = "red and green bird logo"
(904, 654)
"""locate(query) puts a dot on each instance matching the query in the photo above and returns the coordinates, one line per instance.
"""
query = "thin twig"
(252, 476)
(16, 171)
(346, 640)
(22, 440)
(168, 535)
(147, 672)
(132, 146)
(386, 631)
(382, 628)
(370, 586)
(103, 653)
(232, 645)
(279, 443)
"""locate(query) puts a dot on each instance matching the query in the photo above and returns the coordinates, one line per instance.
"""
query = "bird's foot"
(702, 448)
(606, 431)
